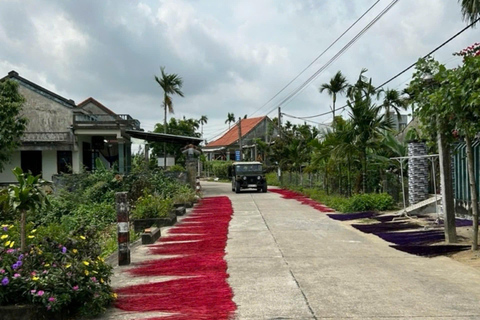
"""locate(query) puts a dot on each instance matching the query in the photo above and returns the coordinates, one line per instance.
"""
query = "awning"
(163, 137)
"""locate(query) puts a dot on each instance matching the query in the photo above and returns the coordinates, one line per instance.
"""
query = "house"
(254, 128)
(64, 137)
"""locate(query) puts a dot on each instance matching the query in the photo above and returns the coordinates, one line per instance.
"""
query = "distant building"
(400, 122)
(254, 128)
(63, 137)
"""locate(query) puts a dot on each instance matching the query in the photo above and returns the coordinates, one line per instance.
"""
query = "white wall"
(49, 164)
(7, 176)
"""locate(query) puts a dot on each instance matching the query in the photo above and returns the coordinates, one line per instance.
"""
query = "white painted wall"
(6, 176)
(49, 164)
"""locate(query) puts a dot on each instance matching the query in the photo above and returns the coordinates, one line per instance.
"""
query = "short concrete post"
(123, 228)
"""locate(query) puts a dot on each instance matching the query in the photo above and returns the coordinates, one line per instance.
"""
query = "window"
(31, 161)
(64, 161)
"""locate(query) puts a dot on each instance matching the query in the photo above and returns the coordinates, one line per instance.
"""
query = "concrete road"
(289, 261)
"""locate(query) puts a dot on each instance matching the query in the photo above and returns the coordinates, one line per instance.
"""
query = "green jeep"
(246, 175)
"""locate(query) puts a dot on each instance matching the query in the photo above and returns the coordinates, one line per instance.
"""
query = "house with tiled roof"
(64, 137)
(251, 129)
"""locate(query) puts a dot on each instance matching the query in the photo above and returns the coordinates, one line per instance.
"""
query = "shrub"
(152, 206)
(176, 168)
(60, 272)
(218, 168)
(183, 194)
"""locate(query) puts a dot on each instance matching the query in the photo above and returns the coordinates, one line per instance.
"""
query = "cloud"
(232, 56)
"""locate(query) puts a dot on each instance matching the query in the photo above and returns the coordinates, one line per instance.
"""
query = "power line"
(318, 57)
(404, 70)
(335, 57)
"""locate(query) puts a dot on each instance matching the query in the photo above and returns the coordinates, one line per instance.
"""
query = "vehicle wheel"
(237, 188)
(264, 189)
(233, 188)
(259, 189)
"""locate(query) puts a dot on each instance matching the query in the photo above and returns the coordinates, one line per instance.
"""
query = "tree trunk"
(23, 219)
(349, 182)
(364, 173)
(165, 131)
(447, 188)
(473, 191)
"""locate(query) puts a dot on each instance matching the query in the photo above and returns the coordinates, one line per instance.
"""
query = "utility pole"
(240, 137)
(280, 122)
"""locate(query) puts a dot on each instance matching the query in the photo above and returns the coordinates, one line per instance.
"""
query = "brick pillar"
(123, 228)
(417, 172)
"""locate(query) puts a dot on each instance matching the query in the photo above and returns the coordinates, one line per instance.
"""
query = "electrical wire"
(318, 57)
(404, 70)
(335, 57)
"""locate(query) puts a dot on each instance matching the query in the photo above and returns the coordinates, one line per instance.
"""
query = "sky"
(233, 56)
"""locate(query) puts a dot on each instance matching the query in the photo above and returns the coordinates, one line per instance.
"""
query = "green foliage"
(218, 168)
(152, 206)
(176, 168)
(59, 271)
(181, 127)
(27, 196)
(12, 125)
(356, 203)
(183, 194)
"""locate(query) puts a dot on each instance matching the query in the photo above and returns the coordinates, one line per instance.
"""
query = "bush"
(152, 206)
(58, 270)
(356, 203)
(218, 168)
(183, 194)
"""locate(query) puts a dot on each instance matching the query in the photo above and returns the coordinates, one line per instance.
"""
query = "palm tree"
(367, 127)
(470, 10)
(230, 119)
(337, 85)
(171, 84)
(392, 100)
(203, 120)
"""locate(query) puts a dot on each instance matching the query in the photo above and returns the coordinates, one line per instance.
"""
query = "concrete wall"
(93, 109)
(6, 176)
(49, 164)
(44, 114)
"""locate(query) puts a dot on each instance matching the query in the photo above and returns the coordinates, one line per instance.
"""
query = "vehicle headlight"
(258, 178)
(244, 178)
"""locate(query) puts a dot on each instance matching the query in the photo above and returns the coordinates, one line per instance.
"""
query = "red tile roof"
(232, 135)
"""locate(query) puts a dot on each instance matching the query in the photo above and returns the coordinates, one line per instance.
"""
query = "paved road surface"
(289, 261)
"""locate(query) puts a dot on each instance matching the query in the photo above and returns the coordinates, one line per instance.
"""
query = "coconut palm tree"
(470, 10)
(337, 85)
(171, 84)
(203, 120)
(230, 119)
(392, 100)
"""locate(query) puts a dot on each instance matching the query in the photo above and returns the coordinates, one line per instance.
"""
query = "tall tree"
(203, 120)
(392, 100)
(230, 119)
(470, 10)
(12, 124)
(337, 85)
(367, 122)
(171, 84)
(433, 112)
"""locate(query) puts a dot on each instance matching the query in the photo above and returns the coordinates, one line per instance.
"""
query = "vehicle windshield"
(248, 168)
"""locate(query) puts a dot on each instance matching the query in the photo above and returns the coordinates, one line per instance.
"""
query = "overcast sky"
(233, 56)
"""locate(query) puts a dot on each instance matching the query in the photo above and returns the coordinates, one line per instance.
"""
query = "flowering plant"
(67, 275)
